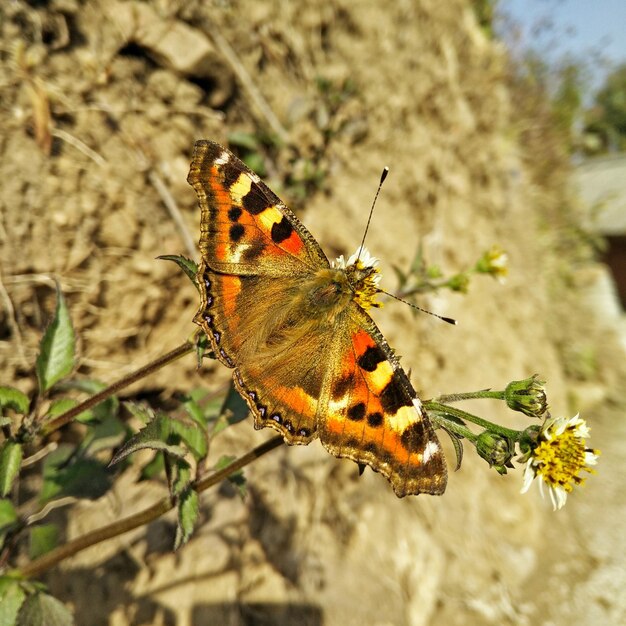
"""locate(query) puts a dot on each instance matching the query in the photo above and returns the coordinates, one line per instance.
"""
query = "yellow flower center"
(560, 460)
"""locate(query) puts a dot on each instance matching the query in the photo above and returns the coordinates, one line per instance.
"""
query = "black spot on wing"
(254, 202)
(230, 172)
(236, 232)
(253, 252)
(234, 213)
(371, 447)
(281, 230)
(393, 396)
(209, 150)
(356, 412)
(370, 359)
(414, 437)
(341, 386)
(375, 419)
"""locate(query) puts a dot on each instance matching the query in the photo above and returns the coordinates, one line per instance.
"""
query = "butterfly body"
(307, 358)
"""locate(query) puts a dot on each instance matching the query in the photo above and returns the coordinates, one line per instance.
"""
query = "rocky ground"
(100, 105)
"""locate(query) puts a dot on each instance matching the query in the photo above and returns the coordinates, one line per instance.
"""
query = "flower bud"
(458, 282)
(496, 449)
(527, 396)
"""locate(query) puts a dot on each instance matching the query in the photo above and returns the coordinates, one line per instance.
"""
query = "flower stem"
(472, 395)
(45, 562)
(443, 409)
(99, 397)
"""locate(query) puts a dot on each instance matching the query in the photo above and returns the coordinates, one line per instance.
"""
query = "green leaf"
(187, 265)
(195, 437)
(41, 609)
(56, 350)
(11, 398)
(224, 461)
(235, 405)
(142, 412)
(8, 519)
(212, 408)
(243, 140)
(193, 408)
(234, 410)
(65, 476)
(12, 597)
(8, 514)
(256, 163)
(10, 459)
(156, 436)
(182, 477)
(43, 538)
(188, 510)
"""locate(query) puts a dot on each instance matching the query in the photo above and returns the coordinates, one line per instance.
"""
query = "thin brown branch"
(142, 372)
(52, 558)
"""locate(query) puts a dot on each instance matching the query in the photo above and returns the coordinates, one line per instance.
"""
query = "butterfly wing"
(255, 253)
(245, 229)
(372, 413)
(245, 320)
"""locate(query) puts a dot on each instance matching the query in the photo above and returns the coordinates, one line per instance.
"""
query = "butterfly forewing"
(245, 228)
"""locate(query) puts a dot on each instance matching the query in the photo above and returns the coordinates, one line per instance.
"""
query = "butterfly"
(307, 357)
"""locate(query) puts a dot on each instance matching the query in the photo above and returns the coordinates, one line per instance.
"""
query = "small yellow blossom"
(494, 262)
(558, 457)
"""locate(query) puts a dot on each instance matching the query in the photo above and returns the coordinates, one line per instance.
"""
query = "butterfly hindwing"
(243, 317)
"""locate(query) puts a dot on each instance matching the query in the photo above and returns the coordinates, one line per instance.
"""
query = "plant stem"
(45, 562)
(443, 409)
(99, 397)
(472, 395)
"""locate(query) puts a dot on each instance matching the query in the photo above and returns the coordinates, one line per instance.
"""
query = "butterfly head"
(363, 276)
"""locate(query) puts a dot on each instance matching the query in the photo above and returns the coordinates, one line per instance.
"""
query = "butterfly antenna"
(369, 219)
(449, 320)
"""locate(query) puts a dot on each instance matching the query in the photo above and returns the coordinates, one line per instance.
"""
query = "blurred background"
(503, 123)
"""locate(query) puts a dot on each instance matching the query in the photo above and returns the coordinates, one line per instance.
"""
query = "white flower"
(363, 275)
(558, 457)
(362, 254)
